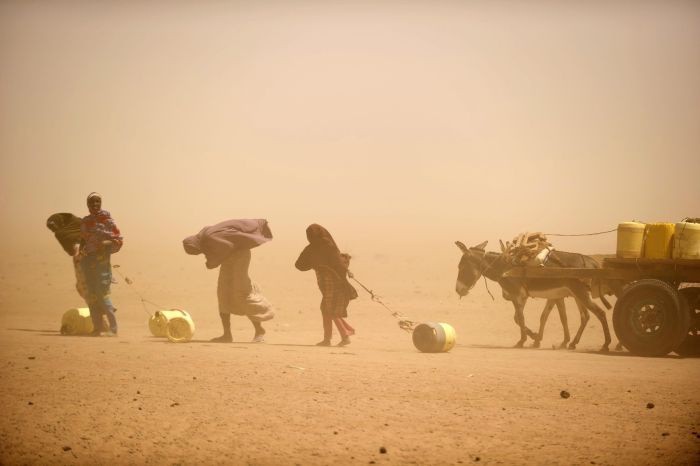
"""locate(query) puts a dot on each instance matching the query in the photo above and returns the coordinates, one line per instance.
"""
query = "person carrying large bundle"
(100, 238)
(227, 245)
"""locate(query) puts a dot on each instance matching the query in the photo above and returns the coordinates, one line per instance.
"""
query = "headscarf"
(321, 251)
(66, 228)
(217, 242)
(94, 194)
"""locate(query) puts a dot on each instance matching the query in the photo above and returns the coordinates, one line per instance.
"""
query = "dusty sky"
(398, 125)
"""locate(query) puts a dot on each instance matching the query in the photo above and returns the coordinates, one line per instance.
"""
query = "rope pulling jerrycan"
(429, 337)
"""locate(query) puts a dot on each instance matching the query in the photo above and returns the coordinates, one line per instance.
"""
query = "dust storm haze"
(396, 124)
(401, 126)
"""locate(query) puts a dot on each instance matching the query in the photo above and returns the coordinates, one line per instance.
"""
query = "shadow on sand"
(627, 354)
(611, 353)
(299, 345)
(507, 347)
(34, 330)
(244, 344)
(236, 344)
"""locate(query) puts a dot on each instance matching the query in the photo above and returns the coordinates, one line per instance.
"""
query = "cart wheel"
(650, 319)
(691, 344)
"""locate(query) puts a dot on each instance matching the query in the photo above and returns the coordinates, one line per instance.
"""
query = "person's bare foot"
(324, 343)
(222, 339)
(259, 333)
(344, 342)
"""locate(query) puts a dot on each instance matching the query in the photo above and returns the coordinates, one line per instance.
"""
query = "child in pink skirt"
(331, 267)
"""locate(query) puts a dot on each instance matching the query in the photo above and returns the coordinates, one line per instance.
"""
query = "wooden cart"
(658, 301)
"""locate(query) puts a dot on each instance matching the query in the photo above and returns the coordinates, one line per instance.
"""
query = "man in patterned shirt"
(100, 239)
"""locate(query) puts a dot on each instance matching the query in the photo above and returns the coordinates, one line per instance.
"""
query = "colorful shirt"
(96, 228)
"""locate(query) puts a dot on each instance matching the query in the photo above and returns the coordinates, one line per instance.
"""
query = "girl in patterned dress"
(331, 267)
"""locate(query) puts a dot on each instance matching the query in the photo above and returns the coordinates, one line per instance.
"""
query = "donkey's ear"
(482, 246)
(462, 247)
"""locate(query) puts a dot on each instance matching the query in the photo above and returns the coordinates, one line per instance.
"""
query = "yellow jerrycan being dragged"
(686, 241)
(183, 326)
(76, 321)
(432, 337)
(658, 240)
(630, 240)
(180, 329)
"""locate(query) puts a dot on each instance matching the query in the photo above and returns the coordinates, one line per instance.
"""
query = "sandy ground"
(136, 399)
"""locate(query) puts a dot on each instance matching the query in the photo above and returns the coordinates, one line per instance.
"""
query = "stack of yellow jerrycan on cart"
(175, 324)
(659, 240)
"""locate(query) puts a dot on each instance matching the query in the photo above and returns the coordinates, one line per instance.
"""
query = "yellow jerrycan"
(630, 240)
(686, 241)
(158, 323)
(180, 329)
(658, 240)
(76, 321)
(434, 337)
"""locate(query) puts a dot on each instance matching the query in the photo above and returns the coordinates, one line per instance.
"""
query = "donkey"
(476, 262)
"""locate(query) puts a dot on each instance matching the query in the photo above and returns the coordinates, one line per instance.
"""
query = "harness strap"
(486, 283)
(527, 290)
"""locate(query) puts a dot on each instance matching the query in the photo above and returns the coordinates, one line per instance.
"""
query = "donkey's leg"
(583, 311)
(600, 314)
(561, 308)
(519, 319)
(543, 320)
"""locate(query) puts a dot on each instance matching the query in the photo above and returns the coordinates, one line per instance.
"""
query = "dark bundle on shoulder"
(323, 252)
(66, 228)
(217, 242)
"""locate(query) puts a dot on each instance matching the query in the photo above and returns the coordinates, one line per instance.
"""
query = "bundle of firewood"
(524, 247)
